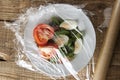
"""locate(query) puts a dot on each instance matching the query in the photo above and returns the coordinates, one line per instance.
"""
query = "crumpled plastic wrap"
(28, 53)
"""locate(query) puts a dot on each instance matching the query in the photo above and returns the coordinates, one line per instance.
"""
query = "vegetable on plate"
(59, 34)
(42, 33)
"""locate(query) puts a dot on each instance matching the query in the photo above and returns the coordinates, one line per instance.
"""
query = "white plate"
(65, 12)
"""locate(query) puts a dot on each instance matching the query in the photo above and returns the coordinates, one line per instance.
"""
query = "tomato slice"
(42, 33)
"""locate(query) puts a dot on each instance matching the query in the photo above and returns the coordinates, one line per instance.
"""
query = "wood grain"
(109, 43)
(10, 10)
(6, 42)
(11, 71)
(17, 73)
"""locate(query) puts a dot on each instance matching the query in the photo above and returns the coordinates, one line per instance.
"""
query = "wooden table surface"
(10, 10)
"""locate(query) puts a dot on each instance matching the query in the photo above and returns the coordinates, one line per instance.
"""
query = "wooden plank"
(116, 55)
(114, 73)
(11, 71)
(6, 42)
(37, 3)
(5, 78)
(10, 9)
(8, 16)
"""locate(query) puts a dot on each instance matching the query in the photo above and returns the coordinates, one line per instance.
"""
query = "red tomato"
(42, 33)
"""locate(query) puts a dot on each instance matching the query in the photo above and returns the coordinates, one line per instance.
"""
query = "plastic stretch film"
(57, 40)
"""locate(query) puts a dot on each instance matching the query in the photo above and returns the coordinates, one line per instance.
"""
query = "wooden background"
(11, 9)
